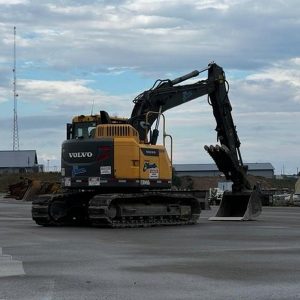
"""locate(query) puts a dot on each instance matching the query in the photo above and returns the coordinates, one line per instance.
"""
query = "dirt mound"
(9, 179)
(205, 183)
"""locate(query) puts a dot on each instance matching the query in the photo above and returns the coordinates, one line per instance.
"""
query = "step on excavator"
(115, 174)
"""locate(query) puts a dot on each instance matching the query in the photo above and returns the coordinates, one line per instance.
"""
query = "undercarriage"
(116, 210)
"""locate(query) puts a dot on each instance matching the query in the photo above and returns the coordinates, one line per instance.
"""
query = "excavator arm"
(166, 94)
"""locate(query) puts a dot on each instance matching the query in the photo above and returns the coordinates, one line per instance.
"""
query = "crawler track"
(61, 209)
(116, 210)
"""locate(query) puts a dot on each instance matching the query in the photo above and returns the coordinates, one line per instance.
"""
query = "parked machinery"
(115, 174)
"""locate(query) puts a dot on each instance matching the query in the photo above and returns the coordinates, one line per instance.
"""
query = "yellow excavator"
(114, 174)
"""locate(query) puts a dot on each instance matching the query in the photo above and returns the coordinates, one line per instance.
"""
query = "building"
(21, 161)
(200, 170)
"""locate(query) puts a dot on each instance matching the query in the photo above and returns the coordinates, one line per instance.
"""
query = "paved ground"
(212, 260)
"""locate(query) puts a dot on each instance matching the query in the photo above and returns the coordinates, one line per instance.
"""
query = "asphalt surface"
(212, 260)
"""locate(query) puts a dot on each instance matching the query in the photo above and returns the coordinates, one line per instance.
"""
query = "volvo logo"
(80, 154)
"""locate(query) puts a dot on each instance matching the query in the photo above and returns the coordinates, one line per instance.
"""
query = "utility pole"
(15, 127)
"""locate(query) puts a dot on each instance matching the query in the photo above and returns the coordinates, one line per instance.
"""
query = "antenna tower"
(15, 130)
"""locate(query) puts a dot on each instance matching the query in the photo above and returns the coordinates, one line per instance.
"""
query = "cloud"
(71, 53)
(155, 35)
(285, 74)
(3, 94)
(13, 2)
(74, 96)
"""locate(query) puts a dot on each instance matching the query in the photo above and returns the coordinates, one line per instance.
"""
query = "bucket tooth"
(239, 206)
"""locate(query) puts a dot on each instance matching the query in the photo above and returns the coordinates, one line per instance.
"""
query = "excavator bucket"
(239, 206)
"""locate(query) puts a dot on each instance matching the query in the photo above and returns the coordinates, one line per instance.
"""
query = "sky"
(75, 57)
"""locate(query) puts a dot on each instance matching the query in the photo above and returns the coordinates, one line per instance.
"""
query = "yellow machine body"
(134, 160)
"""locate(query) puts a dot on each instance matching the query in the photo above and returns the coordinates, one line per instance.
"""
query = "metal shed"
(200, 170)
(21, 161)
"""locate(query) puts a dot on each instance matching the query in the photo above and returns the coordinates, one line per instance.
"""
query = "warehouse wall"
(262, 173)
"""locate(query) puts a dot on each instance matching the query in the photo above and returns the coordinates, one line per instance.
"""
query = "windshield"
(84, 130)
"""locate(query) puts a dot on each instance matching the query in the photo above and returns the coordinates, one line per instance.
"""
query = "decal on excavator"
(150, 152)
(153, 173)
(80, 154)
(78, 171)
(149, 165)
(104, 152)
(105, 170)
(186, 96)
(153, 170)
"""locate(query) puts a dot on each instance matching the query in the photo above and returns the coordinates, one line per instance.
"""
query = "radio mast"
(15, 129)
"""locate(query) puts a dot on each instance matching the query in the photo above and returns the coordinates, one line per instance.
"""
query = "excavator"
(115, 174)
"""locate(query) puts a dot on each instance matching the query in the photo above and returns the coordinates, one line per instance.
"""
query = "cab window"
(84, 130)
